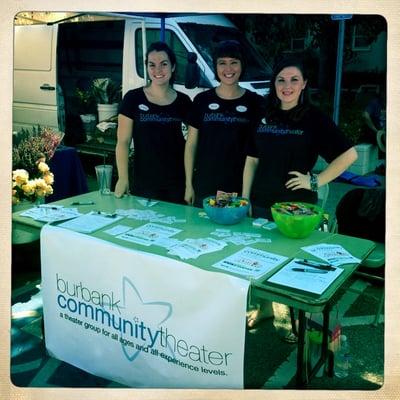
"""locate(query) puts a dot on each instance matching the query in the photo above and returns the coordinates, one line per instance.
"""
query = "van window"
(153, 35)
(26, 39)
(94, 48)
(205, 37)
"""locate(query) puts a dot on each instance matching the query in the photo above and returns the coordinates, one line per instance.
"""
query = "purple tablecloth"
(69, 176)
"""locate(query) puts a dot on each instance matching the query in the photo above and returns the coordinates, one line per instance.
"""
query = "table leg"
(300, 349)
(301, 380)
(325, 333)
(324, 355)
(293, 320)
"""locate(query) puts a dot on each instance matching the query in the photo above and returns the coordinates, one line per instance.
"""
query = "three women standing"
(283, 148)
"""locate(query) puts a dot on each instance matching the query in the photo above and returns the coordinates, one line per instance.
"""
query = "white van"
(52, 60)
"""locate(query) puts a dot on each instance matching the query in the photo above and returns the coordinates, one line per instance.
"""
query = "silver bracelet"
(314, 183)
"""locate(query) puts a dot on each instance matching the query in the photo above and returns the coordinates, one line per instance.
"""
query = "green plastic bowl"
(225, 215)
(297, 226)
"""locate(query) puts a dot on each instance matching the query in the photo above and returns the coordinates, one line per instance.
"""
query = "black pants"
(172, 194)
(261, 212)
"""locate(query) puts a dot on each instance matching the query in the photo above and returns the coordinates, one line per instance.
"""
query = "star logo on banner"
(146, 310)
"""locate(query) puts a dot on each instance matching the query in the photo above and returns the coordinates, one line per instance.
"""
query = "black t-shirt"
(158, 140)
(282, 145)
(224, 127)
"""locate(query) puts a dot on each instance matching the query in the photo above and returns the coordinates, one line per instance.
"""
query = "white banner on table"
(140, 319)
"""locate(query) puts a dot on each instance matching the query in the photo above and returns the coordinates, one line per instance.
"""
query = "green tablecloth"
(197, 226)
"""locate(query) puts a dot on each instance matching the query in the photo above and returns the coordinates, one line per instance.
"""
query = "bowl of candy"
(226, 208)
(296, 219)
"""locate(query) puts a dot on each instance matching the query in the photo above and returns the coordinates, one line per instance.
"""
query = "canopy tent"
(46, 18)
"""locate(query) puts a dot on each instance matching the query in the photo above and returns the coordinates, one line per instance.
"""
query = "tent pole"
(162, 30)
(144, 47)
(339, 67)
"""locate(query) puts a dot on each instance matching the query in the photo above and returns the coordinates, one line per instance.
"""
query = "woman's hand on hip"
(298, 181)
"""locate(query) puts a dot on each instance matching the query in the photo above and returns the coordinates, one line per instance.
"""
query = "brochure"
(334, 254)
(90, 222)
(252, 263)
(148, 234)
(47, 213)
(194, 248)
(310, 279)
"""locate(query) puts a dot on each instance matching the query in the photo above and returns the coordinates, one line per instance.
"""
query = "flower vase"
(39, 200)
(25, 204)
(22, 206)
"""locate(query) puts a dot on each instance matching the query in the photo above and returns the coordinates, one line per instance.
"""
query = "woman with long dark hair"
(287, 142)
(284, 148)
(152, 116)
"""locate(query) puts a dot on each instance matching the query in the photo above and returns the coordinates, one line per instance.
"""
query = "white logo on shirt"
(143, 107)
(241, 108)
(264, 121)
(213, 106)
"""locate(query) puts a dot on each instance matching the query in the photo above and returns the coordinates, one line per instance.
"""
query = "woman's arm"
(331, 172)
(124, 137)
(249, 171)
(190, 154)
(337, 166)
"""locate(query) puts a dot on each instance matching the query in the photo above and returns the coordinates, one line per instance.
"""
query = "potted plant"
(87, 109)
(32, 179)
(107, 94)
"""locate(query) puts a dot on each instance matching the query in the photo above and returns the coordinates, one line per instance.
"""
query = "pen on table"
(314, 271)
(307, 263)
(105, 214)
(82, 203)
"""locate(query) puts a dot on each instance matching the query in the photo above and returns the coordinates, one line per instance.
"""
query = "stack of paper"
(193, 248)
(149, 215)
(252, 263)
(305, 278)
(333, 254)
(148, 234)
(47, 213)
(90, 222)
(240, 238)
